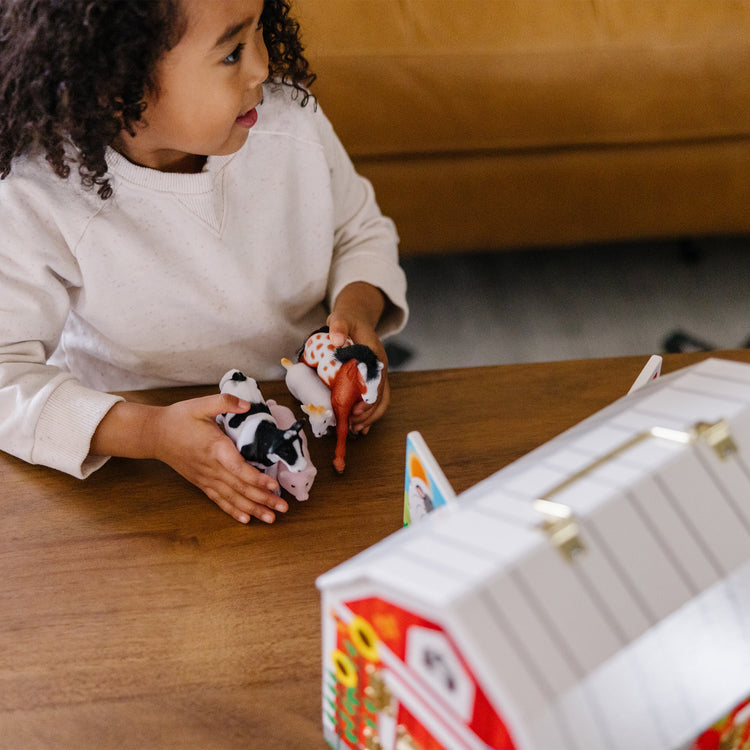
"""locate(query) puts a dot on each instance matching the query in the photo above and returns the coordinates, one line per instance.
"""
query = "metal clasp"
(717, 435)
(559, 521)
(561, 527)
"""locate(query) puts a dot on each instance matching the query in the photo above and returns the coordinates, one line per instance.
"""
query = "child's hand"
(186, 436)
(356, 313)
(193, 444)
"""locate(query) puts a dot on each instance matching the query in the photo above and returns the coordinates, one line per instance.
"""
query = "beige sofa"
(510, 123)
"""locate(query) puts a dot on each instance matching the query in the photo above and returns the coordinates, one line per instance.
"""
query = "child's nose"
(257, 62)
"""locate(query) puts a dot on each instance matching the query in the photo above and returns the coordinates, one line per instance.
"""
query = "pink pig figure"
(297, 484)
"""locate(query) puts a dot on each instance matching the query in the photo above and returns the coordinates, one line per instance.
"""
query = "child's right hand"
(186, 436)
(205, 456)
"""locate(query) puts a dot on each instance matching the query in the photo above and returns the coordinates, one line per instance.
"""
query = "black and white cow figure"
(255, 432)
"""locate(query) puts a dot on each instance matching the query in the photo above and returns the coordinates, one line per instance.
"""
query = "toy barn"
(593, 594)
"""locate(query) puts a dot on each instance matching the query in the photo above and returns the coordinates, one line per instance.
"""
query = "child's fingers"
(238, 505)
(242, 476)
(360, 424)
(257, 494)
(363, 416)
(243, 491)
(238, 488)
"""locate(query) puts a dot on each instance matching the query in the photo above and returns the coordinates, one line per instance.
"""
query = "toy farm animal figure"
(327, 359)
(255, 433)
(298, 483)
(312, 393)
(352, 372)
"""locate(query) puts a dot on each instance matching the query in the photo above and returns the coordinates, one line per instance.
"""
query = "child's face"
(208, 86)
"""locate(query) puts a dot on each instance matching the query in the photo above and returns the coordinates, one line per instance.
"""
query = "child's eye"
(234, 56)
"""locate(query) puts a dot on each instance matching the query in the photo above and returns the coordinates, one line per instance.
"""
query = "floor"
(573, 303)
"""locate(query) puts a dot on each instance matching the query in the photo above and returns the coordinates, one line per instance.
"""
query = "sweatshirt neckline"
(171, 182)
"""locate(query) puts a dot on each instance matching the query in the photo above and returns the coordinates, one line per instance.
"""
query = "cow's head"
(322, 418)
(287, 448)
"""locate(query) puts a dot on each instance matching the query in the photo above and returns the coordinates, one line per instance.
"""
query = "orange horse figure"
(352, 372)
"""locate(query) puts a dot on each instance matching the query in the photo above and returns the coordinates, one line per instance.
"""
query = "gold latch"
(559, 520)
(561, 527)
(718, 437)
(377, 692)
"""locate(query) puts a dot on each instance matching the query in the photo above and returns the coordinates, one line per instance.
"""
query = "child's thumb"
(338, 330)
(226, 402)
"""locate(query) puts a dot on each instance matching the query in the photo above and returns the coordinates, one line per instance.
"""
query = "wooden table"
(136, 614)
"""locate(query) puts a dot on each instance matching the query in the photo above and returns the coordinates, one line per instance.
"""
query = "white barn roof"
(643, 638)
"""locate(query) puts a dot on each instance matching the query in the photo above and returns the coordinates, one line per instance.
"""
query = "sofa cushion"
(421, 77)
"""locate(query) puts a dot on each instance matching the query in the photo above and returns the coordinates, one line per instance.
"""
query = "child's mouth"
(248, 119)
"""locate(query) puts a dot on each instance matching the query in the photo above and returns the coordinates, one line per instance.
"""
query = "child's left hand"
(356, 312)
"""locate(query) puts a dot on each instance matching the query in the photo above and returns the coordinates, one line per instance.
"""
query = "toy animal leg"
(345, 393)
(342, 430)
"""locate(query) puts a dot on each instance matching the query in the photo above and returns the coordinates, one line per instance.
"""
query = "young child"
(174, 203)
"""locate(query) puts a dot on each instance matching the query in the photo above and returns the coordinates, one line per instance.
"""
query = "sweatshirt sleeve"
(365, 241)
(46, 416)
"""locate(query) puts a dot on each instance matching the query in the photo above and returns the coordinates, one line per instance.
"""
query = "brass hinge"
(558, 520)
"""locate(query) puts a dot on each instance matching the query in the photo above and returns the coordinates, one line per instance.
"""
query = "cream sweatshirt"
(177, 277)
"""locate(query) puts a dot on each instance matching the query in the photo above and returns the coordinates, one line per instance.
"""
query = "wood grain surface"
(136, 614)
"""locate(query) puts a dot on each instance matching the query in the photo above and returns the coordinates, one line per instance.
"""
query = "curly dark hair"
(76, 72)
